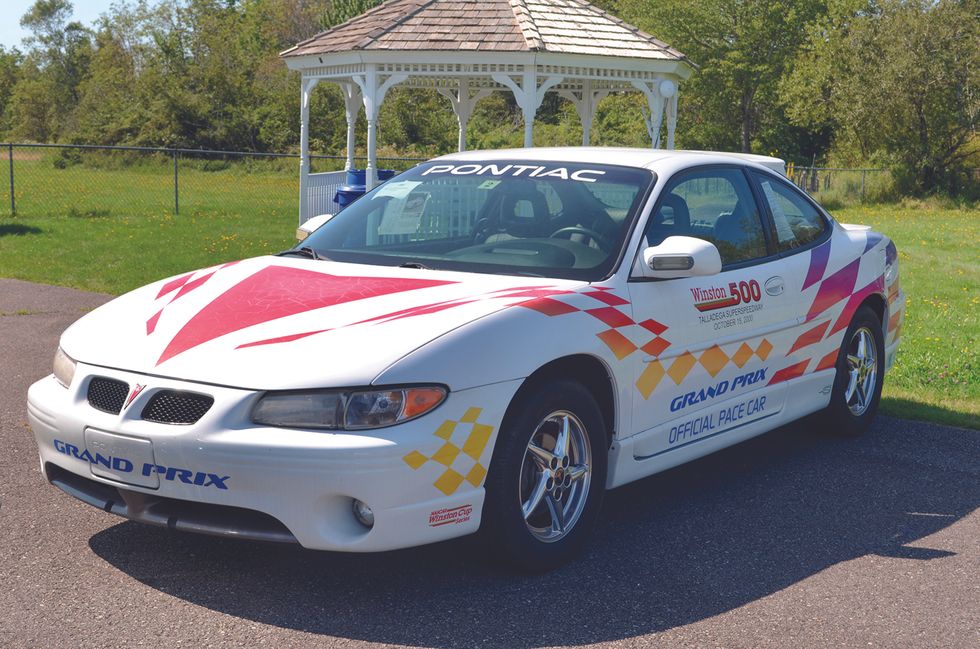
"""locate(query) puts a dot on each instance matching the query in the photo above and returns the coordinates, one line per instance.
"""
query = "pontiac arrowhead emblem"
(132, 395)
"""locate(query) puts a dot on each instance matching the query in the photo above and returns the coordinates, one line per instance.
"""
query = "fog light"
(363, 514)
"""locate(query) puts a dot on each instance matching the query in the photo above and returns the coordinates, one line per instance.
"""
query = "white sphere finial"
(667, 88)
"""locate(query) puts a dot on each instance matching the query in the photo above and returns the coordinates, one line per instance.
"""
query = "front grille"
(173, 407)
(107, 395)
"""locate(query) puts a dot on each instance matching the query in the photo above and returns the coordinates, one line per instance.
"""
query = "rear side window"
(797, 221)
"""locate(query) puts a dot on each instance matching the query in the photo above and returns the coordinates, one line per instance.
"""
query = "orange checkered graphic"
(620, 324)
(743, 355)
(656, 346)
(681, 366)
(764, 349)
(714, 359)
(618, 344)
(650, 378)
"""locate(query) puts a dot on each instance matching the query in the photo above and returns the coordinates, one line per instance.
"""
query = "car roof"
(631, 157)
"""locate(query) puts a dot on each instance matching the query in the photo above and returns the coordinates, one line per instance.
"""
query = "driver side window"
(715, 205)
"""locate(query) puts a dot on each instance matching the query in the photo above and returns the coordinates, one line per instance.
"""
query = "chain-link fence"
(78, 180)
(835, 185)
(91, 181)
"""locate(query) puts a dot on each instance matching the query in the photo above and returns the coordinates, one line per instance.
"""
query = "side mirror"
(681, 257)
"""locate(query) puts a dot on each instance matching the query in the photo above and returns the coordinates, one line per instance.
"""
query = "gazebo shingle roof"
(560, 26)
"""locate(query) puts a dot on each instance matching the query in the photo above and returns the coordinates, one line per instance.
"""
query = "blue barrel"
(347, 194)
(359, 176)
(356, 184)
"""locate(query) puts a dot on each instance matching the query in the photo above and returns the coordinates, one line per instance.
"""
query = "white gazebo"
(465, 49)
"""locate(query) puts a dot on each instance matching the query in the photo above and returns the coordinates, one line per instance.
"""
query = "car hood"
(289, 323)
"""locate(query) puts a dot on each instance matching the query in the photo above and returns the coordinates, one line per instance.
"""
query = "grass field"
(937, 372)
(112, 230)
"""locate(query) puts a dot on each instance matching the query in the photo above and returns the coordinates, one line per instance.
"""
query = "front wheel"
(860, 373)
(547, 477)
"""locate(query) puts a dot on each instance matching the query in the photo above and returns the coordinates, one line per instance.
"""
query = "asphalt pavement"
(791, 539)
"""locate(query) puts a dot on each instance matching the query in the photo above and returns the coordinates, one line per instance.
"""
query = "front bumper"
(224, 475)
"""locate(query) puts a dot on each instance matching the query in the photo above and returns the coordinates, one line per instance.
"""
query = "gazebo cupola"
(466, 49)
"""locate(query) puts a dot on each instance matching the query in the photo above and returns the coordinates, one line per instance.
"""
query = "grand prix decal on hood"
(276, 292)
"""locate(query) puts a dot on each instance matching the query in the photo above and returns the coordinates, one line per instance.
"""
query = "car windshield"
(550, 219)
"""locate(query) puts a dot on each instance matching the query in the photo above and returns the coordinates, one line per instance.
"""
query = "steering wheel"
(576, 229)
(482, 231)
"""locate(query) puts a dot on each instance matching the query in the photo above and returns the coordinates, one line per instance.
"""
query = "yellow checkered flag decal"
(714, 360)
(462, 461)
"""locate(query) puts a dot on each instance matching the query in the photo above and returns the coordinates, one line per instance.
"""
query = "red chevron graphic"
(278, 292)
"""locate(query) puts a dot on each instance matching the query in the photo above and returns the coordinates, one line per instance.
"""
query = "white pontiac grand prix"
(487, 342)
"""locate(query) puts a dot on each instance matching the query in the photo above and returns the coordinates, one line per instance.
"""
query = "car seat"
(672, 218)
(511, 225)
(734, 227)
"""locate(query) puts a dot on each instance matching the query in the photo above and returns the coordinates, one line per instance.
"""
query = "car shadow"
(672, 549)
(909, 409)
(18, 229)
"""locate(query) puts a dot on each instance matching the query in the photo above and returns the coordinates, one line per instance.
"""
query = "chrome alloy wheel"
(555, 476)
(862, 369)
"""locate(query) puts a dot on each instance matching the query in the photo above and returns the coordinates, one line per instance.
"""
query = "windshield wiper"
(414, 264)
(305, 251)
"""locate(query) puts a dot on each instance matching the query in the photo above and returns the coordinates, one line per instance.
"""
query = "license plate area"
(121, 458)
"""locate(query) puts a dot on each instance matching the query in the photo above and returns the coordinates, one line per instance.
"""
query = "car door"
(801, 233)
(708, 368)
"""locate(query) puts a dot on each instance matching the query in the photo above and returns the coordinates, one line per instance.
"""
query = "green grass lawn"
(937, 372)
(113, 230)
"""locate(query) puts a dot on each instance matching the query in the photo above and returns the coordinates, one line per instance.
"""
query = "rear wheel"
(547, 478)
(860, 372)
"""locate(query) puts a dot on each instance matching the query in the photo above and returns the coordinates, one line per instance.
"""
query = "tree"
(106, 113)
(10, 62)
(743, 48)
(61, 47)
(896, 78)
(341, 11)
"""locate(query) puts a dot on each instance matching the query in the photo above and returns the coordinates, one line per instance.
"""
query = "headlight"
(347, 409)
(64, 367)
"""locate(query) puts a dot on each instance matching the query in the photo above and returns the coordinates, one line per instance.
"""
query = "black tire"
(539, 414)
(847, 414)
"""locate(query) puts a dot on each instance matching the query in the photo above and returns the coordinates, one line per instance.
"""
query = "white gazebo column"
(528, 95)
(671, 113)
(374, 90)
(661, 97)
(352, 106)
(306, 90)
(586, 101)
(655, 101)
(463, 105)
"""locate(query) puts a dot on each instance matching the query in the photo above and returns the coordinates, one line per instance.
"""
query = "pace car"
(486, 342)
